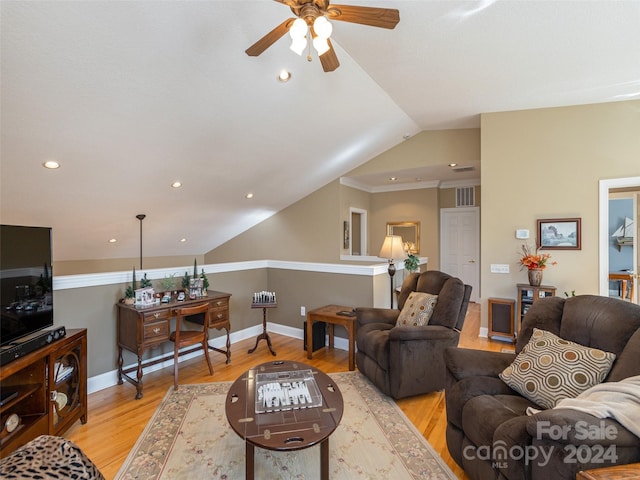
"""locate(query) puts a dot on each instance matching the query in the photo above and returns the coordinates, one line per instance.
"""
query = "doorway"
(606, 189)
(460, 245)
(358, 232)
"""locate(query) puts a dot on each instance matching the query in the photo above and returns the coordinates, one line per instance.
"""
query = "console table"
(143, 328)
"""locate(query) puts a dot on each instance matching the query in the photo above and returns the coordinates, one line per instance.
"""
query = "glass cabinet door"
(64, 380)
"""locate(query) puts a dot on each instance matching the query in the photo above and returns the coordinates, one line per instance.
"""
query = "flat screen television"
(26, 296)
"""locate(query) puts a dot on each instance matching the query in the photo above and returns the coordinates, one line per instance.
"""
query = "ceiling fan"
(312, 22)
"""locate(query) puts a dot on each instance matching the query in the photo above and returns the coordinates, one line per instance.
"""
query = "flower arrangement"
(531, 259)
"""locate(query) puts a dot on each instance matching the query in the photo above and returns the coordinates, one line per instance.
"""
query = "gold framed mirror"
(410, 233)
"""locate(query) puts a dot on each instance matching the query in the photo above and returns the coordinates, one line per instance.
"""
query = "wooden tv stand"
(51, 391)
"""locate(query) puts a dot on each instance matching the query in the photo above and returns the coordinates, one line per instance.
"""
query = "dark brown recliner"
(489, 433)
(408, 360)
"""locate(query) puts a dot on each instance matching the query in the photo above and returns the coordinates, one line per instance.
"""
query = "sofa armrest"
(573, 427)
(465, 362)
(365, 315)
(49, 458)
(424, 332)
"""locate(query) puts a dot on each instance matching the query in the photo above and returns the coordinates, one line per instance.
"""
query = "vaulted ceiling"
(131, 96)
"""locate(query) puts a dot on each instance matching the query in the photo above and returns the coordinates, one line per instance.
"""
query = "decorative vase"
(535, 277)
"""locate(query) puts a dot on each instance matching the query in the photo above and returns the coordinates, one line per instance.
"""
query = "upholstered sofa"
(49, 457)
(489, 433)
(408, 360)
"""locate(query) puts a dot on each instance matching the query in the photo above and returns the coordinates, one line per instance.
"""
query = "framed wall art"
(559, 234)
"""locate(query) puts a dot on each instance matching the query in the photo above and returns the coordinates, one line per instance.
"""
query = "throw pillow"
(417, 310)
(549, 369)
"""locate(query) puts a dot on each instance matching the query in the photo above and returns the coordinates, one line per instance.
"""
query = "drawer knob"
(219, 315)
(156, 330)
(219, 303)
(157, 314)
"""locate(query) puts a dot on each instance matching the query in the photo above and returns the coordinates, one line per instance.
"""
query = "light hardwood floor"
(116, 419)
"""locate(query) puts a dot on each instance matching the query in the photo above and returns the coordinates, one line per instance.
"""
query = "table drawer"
(150, 317)
(217, 315)
(156, 331)
(220, 303)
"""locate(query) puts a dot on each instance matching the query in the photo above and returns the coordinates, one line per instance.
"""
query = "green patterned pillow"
(549, 369)
(417, 310)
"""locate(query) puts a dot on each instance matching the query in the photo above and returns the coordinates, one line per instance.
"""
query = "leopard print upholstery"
(48, 457)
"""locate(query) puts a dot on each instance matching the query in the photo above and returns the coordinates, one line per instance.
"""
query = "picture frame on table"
(559, 234)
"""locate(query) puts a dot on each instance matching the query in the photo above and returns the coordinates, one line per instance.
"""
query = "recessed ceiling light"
(284, 76)
(176, 184)
(249, 195)
(113, 240)
(183, 240)
(393, 179)
(453, 164)
(52, 164)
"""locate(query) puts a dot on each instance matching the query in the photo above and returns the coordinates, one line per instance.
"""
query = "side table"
(264, 335)
(329, 315)
(618, 472)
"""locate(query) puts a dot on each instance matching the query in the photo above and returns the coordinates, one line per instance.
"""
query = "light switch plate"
(499, 268)
(522, 233)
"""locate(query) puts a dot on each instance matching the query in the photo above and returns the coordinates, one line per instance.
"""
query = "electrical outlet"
(499, 268)
(303, 311)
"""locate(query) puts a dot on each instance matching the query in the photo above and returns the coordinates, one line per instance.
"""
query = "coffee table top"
(290, 429)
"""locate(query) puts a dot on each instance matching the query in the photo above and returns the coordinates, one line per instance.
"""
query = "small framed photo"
(559, 234)
(144, 297)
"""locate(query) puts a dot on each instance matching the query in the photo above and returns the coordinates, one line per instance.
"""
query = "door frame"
(603, 247)
(475, 292)
(363, 230)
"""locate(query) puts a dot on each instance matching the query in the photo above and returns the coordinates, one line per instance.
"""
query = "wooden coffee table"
(289, 428)
(329, 314)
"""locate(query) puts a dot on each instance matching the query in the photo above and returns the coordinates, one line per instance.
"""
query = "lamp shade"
(392, 248)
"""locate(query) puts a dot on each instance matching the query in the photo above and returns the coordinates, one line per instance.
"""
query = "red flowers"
(533, 259)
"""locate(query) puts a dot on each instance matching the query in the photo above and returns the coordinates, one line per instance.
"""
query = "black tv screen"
(26, 295)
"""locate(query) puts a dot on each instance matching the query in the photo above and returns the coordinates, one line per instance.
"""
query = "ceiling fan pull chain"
(309, 46)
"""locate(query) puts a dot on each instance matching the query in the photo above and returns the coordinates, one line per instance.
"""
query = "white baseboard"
(109, 379)
(484, 332)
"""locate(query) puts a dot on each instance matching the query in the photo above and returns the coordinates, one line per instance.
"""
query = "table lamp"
(392, 248)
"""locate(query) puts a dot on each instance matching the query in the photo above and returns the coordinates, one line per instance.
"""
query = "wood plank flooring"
(116, 419)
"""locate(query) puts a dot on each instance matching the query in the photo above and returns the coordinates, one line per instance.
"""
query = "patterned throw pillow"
(417, 310)
(549, 369)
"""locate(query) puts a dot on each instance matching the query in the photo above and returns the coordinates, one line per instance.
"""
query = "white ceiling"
(130, 96)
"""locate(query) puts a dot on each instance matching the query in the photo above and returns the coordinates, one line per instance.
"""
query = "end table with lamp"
(392, 248)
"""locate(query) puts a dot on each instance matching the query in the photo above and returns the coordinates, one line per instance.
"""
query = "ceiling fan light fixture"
(298, 29)
(322, 27)
(298, 45)
(321, 45)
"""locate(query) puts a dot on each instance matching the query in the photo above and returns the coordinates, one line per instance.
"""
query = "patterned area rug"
(189, 437)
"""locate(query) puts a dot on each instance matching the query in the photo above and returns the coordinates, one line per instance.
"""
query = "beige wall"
(435, 147)
(547, 164)
(309, 230)
(76, 267)
(407, 206)
(353, 198)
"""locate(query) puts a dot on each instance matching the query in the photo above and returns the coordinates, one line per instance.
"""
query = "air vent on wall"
(465, 196)
(463, 169)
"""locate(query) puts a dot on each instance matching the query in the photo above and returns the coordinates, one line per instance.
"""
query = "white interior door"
(460, 245)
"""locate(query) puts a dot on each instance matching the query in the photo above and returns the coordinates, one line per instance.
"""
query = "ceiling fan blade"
(269, 39)
(372, 16)
(329, 59)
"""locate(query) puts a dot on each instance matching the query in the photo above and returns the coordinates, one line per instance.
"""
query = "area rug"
(189, 437)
